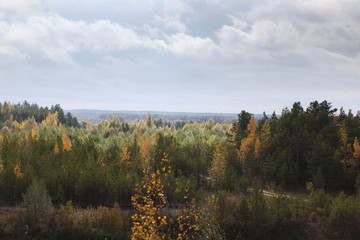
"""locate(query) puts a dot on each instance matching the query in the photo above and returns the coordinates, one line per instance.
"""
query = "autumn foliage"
(94, 165)
(149, 199)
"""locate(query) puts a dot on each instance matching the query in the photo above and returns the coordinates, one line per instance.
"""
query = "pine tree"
(149, 122)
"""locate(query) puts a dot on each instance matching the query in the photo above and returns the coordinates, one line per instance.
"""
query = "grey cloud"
(227, 54)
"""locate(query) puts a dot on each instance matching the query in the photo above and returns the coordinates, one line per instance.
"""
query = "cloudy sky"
(180, 55)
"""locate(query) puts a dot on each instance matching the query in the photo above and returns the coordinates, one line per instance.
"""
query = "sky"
(180, 55)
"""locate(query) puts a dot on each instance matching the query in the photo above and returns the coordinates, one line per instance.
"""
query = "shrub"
(319, 204)
(344, 208)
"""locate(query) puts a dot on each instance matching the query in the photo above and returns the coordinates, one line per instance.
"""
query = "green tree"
(319, 180)
(149, 122)
(241, 127)
(37, 203)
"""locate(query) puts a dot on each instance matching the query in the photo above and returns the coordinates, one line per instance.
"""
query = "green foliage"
(283, 176)
(357, 184)
(243, 211)
(340, 209)
(319, 204)
(37, 203)
(102, 164)
(208, 227)
(257, 205)
(319, 180)
(21, 112)
(91, 223)
(243, 184)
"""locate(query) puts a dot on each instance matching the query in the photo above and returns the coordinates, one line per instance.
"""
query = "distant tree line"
(166, 119)
(21, 112)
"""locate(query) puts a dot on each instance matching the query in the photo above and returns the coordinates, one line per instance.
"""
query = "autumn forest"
(294, 175)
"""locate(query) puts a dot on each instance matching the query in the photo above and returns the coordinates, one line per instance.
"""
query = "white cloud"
(182, 44)
(55, 38)
(305, 32)
(19, 8)
(172, 14)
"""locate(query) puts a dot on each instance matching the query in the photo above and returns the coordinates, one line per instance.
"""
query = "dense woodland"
(210, 175)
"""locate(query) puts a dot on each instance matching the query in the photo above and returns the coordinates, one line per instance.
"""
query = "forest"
(294, 175)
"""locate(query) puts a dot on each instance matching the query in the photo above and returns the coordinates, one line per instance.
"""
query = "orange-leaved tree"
(66, 142)
(247, 143)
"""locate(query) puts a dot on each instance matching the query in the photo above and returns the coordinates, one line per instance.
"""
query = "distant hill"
(96, 116)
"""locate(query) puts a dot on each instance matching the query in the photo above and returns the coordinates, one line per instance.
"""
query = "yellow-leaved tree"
(124, 157)
(218, 166)
(66, 142)
(356, 156)
(146, 154)
(247, 143)
(51, 119)
(34, 133)
(56, 148)
(149, 222)
(148, 200)
(17, 170)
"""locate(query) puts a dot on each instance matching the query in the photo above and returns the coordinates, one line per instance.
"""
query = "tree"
(241, 127)
(146, 154)
(356, 155)
(319, 203)
(148, 120)
(319, 180)
(66, 142)
(149, 199)
(124, 156)
(51, 119)
(56, 148)
(37, 203)
(357, 184)
(261, 145)
(257, 205)
(218, 166)
(247, 143)
(345, 152)
(17, 170)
